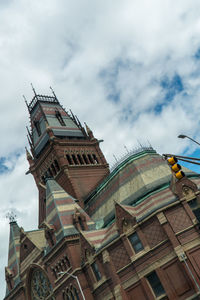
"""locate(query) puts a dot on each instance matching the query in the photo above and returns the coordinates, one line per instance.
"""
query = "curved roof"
(141, 175)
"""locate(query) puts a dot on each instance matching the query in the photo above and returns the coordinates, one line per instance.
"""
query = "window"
(90, 159)
(85, 159)
(135, 242)
(59, 117)
(40, 286)
(80, 159)
(56, 165)
(75, 159)
(155, 284)
(69, 159)
(96, 271)
(71, 293)
(50, 174)
(81, 223)
(95, 159)
(37, 126)
(53, 169)
(194, 207)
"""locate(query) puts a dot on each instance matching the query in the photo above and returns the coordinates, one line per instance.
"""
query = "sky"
(129, 69)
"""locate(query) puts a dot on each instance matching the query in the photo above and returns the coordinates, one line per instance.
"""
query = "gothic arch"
(38, 285)
(70, 293)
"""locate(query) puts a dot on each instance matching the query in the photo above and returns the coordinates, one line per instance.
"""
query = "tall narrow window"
(90, 159)
(85, 159)
(95, 159)
(59, 117)
(43, 179)
(135, 242)
(80, 159)
(53, 169)
(37, 126)
(75, 159)
(96, 271)
(56, 165)
(69, 159)
(155, 284)
(50, 173)
(81, 223)
(196, 210)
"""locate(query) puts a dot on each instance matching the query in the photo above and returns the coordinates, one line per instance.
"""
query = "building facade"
(129, 233)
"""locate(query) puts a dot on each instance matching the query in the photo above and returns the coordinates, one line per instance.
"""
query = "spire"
(25, 101)
(12, 270)
(89, 131)
(28, 155)
(53, 92)
(33, 90)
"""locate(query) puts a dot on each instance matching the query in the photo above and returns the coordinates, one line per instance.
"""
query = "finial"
(149, 143)
(46, 123)
(115, 158)
(89, 131)
(139, 143)
(26, 101)
(53, 92)
(126, 149)
(11, 216)
(33, 89)
(28, 155)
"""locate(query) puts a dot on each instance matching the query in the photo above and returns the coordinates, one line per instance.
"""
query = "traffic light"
(175, 167)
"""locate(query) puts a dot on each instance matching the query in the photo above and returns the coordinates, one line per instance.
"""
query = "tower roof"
(14, 252)
(60, 209)
(47, 115)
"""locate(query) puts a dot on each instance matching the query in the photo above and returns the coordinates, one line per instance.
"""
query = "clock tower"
(61, 148)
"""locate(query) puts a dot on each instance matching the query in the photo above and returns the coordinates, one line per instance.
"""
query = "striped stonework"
(60, 209)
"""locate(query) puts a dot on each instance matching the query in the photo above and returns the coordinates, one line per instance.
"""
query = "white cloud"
(92, 52)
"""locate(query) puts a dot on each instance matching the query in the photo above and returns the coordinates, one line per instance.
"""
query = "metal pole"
(80, 287)
(182, 136)
(183, 257)
(78, 282)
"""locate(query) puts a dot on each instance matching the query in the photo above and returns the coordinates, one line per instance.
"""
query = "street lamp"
(78, 282)
(182, 136)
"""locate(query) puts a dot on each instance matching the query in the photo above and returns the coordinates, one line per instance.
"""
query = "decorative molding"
(161, 218)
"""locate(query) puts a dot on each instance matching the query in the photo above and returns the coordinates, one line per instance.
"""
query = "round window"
(41, 288)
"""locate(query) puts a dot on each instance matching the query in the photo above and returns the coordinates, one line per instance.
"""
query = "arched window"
(80, 159)
(40, 286)
(85, 159)
(95, 159)
(75, 159)
(50, 172)
(71, 293)
(56, 165)
(69, 159)
(53, 169)
(90, 159)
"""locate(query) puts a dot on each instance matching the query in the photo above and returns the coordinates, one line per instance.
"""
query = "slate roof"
(60, 208)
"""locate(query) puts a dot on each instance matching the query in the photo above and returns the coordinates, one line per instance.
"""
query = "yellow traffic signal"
(176, 168)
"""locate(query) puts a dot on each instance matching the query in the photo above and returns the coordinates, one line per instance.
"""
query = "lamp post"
(190, 271)
(78, 282)
(183, 136)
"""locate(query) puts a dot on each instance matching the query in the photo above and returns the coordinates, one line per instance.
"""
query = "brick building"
(129, 233)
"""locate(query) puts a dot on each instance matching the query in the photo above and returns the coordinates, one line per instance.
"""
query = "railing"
(41, 98)
(127, 155)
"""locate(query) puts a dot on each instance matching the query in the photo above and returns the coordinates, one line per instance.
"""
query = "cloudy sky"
(130, 69)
